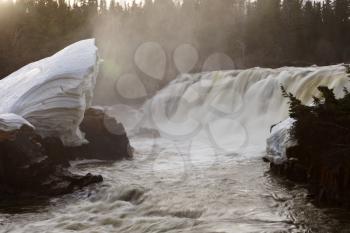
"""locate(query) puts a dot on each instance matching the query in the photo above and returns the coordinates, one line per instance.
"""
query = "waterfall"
(234, 110)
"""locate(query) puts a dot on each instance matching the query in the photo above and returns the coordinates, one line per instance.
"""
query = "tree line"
(268, 33)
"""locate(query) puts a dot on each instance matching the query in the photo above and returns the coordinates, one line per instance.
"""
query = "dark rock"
(26, 168)
(107, 138)
(31, 165)
(58, 153)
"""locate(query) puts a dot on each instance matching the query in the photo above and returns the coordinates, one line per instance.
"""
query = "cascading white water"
(235, 109)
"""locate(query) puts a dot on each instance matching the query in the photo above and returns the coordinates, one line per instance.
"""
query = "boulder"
(26, 167)
(107, 139)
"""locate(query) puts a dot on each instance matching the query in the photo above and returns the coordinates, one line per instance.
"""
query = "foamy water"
(167, 192)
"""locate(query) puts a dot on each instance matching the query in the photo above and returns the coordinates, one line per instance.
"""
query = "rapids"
(204, 173)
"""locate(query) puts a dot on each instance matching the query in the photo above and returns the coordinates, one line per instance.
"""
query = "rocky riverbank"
(321, 156)
(32, 165)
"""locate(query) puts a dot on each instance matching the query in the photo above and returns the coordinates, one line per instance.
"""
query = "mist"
(146, 46)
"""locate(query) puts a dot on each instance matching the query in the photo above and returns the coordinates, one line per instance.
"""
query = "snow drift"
(53, 93)
(11, 122)
(279, 141)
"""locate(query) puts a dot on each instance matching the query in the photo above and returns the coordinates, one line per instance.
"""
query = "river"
(204, 173)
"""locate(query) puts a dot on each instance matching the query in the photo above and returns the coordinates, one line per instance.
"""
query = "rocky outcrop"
(27, 168)
(107, 138)
(32, 165)
(45, 122)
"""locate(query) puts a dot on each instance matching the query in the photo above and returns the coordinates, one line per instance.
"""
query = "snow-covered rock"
(53, 93)
(11, 122)
(279, 141)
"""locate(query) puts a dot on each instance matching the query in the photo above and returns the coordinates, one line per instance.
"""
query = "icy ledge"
(279, 141)
(53, 93)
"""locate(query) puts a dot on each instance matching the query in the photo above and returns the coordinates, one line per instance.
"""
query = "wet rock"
(107, 139)
(30, 164)
(27, 168)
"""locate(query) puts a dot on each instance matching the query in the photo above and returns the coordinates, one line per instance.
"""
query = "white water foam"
(234, 110)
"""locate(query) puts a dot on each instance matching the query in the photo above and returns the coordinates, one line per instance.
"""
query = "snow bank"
(53, 93)
(10, 122)
(279, 141)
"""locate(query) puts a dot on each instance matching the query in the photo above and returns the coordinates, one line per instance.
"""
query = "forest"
(267, 33)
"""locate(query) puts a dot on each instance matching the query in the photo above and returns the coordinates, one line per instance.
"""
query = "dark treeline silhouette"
(258, 33)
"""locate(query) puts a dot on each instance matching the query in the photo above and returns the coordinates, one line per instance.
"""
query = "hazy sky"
(138, 1)
(120, 1)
